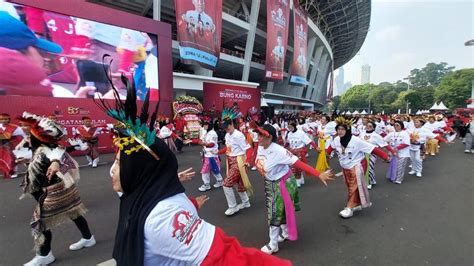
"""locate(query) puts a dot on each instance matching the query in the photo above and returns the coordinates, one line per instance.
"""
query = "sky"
(408, 34)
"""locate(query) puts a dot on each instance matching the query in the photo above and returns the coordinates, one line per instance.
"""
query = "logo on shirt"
(184, 225)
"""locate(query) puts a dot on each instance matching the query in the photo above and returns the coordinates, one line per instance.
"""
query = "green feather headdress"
(229, 113)
(130, 127)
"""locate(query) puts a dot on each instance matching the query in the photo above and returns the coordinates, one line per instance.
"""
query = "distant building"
(340, 82)
(365, 74)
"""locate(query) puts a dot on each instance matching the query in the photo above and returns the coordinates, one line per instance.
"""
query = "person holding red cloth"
(10, 136)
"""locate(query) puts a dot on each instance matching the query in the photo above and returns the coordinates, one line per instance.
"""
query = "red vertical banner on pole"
(300, 46)
(199, 26)
(278, 21)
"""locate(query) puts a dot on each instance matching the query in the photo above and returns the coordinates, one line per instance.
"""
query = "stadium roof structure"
(344, 23)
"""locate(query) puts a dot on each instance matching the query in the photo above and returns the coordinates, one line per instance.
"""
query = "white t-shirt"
(423, 134)
(379, 127)
(236, 143)
(277, 128)
(431, 126)
(211, 137)
(373, 138)
(396, 138)
(175, 235)
(274, 161)
(165, 132)
(297, 139)
(354, 153)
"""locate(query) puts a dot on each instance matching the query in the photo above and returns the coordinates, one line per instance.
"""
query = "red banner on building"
(199, 26)
(300, 46)
(278, 21)
(218, 96)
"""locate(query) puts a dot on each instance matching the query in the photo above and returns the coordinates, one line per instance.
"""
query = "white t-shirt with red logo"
(211, 137)
(394, 139)
(354, 153)
(297, 139)
(274, 161)
(373, 138)
(175, 235)
(236, 143)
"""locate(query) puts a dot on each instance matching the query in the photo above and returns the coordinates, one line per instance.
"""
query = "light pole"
(471, 104)
(408, 91)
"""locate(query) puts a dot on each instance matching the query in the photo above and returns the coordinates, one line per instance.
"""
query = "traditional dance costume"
(325, 135)
(90, 135)
(351, 152)
(296, 142)
(418, 137)
(58, 198)
(378, 141)
(211, 162)
(158, 224)
(238, 152)
(10, 136)
(400, 141)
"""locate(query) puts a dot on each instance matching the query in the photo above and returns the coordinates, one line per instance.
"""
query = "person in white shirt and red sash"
(158, 224)
(239, 154)
(10, 136)
(211, 162)
(351, 153)
(296, 142)
(281, 193)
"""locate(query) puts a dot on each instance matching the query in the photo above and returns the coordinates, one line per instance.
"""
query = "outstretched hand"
(186, 175)
(201, 200)
(328, 175)
(52, 170)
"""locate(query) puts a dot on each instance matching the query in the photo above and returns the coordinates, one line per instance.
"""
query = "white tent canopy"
(434, 107)
(363, 112)
(355, 112)
(348, 113)
(441, 106)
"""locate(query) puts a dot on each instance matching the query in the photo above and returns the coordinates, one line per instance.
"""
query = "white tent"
(355, 112)
(418, 112)
(363, 112)
(434, 107)
(348, 113)
(441, 106)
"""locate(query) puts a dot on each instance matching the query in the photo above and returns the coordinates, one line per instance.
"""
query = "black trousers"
(80, 222)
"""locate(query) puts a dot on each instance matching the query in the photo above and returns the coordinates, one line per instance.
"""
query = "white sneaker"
(467, 151)
(418, 175)
(204, 187)
(398, 182)
(472, 151)
(94, 165)
(243, 205)
(232, 211)
(346, 213)
(218, 184)
(282, 237)
(253, 168)
(83, 243)
(14, 176)
(369, 187)
(41, 260)
(412, 172)
(410, 166)
(269, 250)
(357, 208)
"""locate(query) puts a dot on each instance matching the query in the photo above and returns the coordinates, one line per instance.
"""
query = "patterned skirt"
(275, 206)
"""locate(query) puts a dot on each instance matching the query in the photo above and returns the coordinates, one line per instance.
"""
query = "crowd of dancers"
(153, 207)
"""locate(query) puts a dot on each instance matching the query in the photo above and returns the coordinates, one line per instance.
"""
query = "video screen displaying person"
(62, 56)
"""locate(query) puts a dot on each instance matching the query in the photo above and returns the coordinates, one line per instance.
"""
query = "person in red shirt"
(180, 124)
(10, 136)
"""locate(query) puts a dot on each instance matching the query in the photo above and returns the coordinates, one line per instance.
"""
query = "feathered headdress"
(342, 121)
(229, 113)
(43, 128)
(131, 128)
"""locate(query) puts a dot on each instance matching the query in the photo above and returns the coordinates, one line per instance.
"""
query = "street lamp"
(408, 90)
(471, 105)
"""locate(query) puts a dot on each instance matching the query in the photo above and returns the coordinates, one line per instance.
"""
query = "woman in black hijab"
(158, 224)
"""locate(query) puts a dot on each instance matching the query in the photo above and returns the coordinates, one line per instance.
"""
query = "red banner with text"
(199, 26)
(218, 96)
(300, 46)
(278, 21)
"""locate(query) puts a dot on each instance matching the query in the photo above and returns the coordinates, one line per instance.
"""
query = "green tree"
(420, 99)
(357, 96)
(455, 89)
(430, 75)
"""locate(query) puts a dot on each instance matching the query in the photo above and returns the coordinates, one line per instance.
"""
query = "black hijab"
(145, 182)
(347, 137)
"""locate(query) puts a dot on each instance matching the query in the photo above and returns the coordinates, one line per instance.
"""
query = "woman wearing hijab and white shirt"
(418, 137)
(400, 141)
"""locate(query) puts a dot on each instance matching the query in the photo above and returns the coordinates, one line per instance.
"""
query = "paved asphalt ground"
(424, 221)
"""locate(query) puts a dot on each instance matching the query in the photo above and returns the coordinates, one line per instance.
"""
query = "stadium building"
(336, 31)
